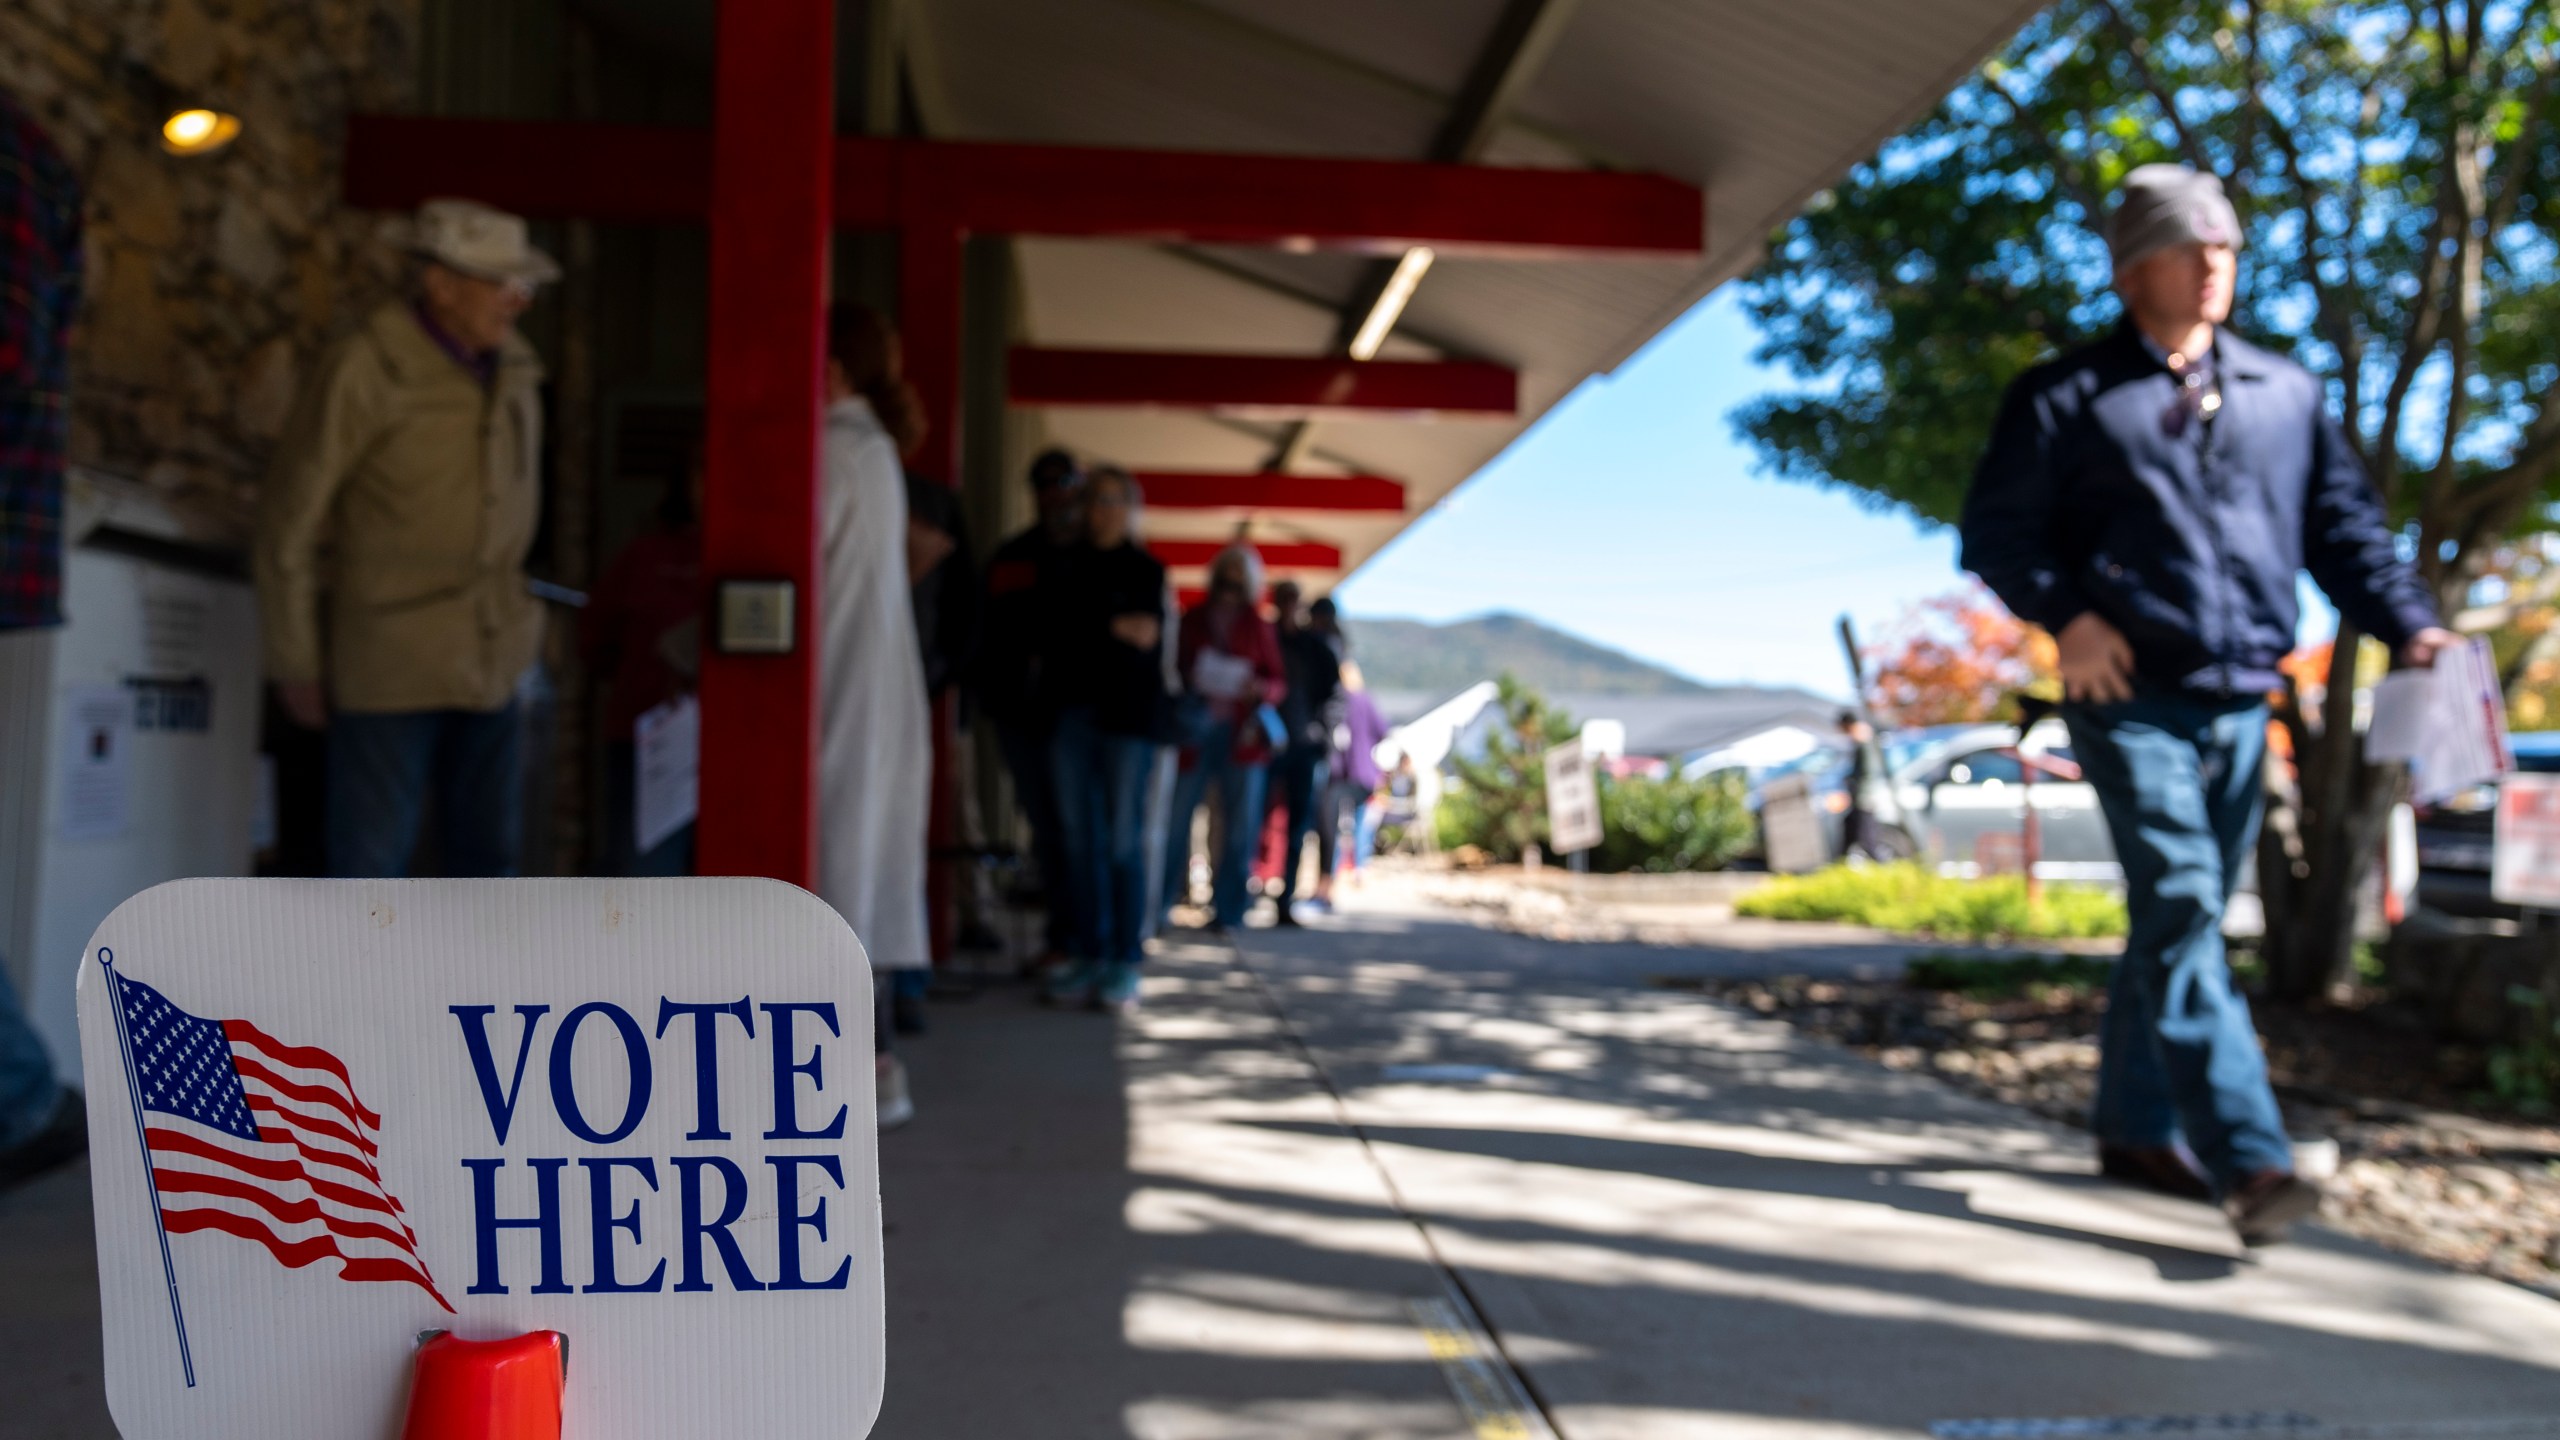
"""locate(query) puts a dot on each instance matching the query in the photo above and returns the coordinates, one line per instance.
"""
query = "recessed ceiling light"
(198, 131)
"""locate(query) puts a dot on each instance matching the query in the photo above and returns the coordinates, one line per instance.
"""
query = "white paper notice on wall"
(666, 757)
(95, 763)
(2449, 722)
(328, 1116)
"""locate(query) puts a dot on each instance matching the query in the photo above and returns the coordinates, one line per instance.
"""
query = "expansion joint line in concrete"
(1495, 1394)
(2287, 1425)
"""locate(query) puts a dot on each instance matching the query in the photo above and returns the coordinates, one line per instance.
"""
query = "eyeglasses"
(2199, 396)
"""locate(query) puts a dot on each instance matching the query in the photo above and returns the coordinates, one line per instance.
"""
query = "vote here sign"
(328, 1116)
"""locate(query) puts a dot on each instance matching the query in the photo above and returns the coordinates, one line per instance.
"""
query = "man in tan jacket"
(390, 554)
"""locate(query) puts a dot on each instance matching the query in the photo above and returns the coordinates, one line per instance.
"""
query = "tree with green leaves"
(2397, 170)
(1499, 801)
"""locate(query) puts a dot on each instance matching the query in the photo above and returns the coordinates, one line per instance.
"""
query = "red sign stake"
(488, 1389)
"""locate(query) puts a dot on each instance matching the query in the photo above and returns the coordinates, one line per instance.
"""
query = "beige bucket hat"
(479, 241)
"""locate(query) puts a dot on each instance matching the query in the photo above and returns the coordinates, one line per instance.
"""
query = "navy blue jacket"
(2088, 501)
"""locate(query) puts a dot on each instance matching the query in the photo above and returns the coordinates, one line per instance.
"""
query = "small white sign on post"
(328, 1116)
(666, 780)
(2524, 867)
(1573, 799)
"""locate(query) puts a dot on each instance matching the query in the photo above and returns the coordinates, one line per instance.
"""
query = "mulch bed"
(2426, 1165)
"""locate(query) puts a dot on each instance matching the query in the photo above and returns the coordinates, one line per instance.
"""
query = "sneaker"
(2164, 1168)
(897, 1107)
(1281, 919)
(64, 1138)
(1119, 988)
(1069, 982)
(2264, 1206)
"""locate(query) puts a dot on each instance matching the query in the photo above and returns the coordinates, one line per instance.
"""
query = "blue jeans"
(1303, 772)
(384, 768)
(1239, 787)
(1035, 789)
(2178, 778)
(1102, 782)
(28, 1091)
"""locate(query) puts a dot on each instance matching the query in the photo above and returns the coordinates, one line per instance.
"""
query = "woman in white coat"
(875, 745)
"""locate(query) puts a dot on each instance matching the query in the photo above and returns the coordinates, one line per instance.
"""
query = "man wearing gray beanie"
(2149, 499)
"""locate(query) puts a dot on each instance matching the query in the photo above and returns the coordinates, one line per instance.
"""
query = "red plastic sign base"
(488, 1389)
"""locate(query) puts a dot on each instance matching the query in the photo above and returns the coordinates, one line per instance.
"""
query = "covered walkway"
(1245, 1214)
(1333, 1183)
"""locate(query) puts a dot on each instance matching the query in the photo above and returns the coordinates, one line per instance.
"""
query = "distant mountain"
(1418, 657)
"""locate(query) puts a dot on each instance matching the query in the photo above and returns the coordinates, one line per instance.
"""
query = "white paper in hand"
(2447, 722)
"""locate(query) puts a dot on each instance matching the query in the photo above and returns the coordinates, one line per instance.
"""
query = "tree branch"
(2139, 51)
(2335, 322)
(2066, 172)
(2502, 207)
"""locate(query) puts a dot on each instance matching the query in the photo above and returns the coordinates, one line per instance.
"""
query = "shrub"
(1671, 825)
(1991, 977)
(1497, 802)
(1914, 898)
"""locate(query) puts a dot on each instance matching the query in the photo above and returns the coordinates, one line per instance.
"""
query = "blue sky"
(1632, 516)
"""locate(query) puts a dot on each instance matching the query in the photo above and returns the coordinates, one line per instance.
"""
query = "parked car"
(1953, 794)
(2457, 838)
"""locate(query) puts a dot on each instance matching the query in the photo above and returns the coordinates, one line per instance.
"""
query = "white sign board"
(326, 1116)
(666, 781)
(2524, 868)
(1573, 799)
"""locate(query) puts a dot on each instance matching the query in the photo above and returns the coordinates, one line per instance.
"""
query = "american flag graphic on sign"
(253, 1137)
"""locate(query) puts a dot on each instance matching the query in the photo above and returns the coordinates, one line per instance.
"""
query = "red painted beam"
(1374, 205)
(1303, 555)
(1266, 490)
(1186, 596)
(641, 174)
(772, 141)
(569, 170)
(1269, 384)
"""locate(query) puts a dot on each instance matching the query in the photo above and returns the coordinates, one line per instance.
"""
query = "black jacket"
(1087, 589)
(1013, 624)
(1315, 688)
(2188, 542)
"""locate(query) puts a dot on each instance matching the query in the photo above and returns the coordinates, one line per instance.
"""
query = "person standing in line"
(875, 743)
(1308, 713)
(943, 595)
(402, 502)
(2149, 499)
(1008, 671)
(1109, 692)
(1229, 661)
(1352, 777)
(42, 1122)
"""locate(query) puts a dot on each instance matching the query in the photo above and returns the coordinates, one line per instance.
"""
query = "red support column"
(773, 153)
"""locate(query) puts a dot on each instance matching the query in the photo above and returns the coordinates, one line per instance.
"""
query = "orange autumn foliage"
(1957, 659)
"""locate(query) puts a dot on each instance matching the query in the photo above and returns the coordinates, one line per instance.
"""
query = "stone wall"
(213, 281)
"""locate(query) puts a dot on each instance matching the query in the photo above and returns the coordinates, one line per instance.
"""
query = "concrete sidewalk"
(1687, 1222)
(1265, 1207)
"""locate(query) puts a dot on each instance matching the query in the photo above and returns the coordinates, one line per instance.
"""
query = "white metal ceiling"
(1760, 102)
